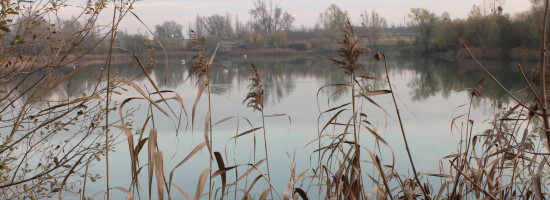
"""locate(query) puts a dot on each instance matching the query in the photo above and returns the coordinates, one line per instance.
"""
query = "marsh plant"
(52, 137)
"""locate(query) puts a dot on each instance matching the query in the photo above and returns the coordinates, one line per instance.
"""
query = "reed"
(506, 161)
(255, 98)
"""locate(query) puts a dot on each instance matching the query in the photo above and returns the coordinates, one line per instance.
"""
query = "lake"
(431, 93)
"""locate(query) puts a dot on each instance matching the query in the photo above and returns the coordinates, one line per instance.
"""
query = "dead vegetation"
(507, 161)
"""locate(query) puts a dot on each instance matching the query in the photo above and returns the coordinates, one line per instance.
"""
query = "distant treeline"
(488, 30)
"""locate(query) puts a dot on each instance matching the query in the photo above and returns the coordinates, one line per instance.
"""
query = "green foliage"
(424, 22)
(448, 35)
(493, 33)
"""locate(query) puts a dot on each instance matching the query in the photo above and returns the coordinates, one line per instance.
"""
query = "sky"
(305, 12)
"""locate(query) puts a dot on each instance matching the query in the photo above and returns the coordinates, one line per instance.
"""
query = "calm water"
(430, 93)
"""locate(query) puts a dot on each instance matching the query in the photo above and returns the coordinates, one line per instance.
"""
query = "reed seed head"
(255, 96)
(349, 51)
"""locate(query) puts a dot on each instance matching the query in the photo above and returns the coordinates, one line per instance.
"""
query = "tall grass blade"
(201, 182)
(197, 99)
(159, 174)
(182, 191)
(536, 180)
(223, 120)
(138, 89)
(247, 132)
(247, 192)
(373, 93)
(301, 192)
(126, 192)
(287, 195)
(152, 148)
(206, 131)
(221, 166)
(265, 193)
(189, 156)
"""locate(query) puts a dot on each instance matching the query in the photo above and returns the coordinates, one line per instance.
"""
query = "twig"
(109, 59)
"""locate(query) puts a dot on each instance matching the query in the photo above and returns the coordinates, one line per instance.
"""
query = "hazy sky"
(306, 12)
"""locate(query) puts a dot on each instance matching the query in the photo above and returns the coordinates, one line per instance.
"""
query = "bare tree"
(50, 131)
(333, 20)
(267, 17)
(218, 25)
(376, 26)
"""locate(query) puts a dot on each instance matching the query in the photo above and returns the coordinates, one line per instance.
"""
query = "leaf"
(159, 173)
(375, 134)
(301, 192)
(121, 108)
(221, 166)
(138, 89)
(265, 193)
(199, 94)
(287, 195)
(201, 182)
(436, 175)
(151, 149)
(193, 152)
(247, 132)
(206, 132)
(126, 192)
(331, 119)
(337, 107)
(252, 185)
(182, 191)
(373, 93)
(223, 120)
(296, 179)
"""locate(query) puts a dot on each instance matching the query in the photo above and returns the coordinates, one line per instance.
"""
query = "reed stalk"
(543, 69)
(426, 195)
(256, 99)
(107, 101)
(209, 81)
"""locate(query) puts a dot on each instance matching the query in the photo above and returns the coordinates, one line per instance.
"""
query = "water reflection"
(426, 78)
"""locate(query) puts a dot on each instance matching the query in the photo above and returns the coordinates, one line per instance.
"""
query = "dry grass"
(507, 161)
